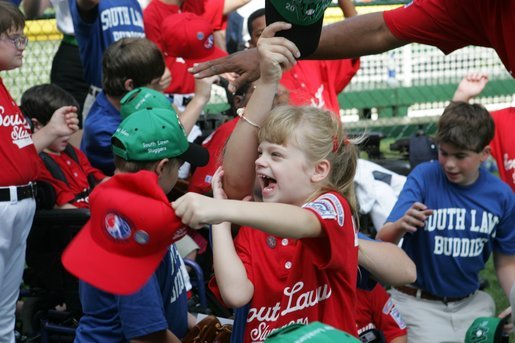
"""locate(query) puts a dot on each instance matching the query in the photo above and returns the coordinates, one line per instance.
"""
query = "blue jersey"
(110, 21)
(468, 223)
(102, 121)
(161, 304)
(173, 291)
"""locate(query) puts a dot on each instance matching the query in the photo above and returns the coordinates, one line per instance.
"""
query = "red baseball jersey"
(154, 15)
(76, 174)
(503, 144)
(318, 83)
(301, 281)
(17, 151)
(453, 24)
(201, 179)
(376, 310)
(211, 10)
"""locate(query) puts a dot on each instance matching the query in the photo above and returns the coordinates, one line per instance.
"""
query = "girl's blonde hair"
(321, 136)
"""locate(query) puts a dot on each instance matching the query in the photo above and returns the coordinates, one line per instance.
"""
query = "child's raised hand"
(203, 87)
(196, 210)
(415, 217)
(165, 80)
(275, 53)
(64, 121)
(217, 186)
(471, 86)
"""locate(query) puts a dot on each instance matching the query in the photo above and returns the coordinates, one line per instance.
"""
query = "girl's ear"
(321, 170)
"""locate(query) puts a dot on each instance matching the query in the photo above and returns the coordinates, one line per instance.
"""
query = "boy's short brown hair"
(130, 58)
(465, 126)
(135, 166)
(10, 17)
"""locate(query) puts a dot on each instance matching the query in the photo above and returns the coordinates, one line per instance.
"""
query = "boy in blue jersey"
(128, 64)
(451, 216)
(124, 298)
(97, 25)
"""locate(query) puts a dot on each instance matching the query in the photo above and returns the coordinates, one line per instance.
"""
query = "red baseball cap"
(189, 36)
(132, 224)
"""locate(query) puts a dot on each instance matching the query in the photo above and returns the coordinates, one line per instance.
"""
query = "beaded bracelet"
(240, 112)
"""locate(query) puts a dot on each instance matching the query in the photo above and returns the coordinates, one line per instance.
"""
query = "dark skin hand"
(245, 63)
(357, 36)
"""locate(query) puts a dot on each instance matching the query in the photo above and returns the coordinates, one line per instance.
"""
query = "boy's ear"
(485, 153)
(321, 170)
(160, 166)
(128, 85)
(37, 125)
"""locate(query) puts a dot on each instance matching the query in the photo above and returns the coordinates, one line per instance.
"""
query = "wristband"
(241, 114)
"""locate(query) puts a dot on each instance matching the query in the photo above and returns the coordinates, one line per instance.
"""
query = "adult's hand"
(244, 63)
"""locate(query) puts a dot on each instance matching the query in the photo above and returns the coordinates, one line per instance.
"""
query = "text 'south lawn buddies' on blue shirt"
(111, 21)
(468, 223)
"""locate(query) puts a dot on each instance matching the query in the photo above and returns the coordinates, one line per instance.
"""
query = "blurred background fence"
(395, 92)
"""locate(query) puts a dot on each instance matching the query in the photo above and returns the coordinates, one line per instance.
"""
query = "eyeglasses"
(20, 42)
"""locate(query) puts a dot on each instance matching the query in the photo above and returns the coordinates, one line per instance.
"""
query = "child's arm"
(414, 218)
(387, 263)
(231, 276)
(471, 86)
(64, 122)
(241, 149)
(274, 218)
(505, 270)
(192, 111)
(348, 8)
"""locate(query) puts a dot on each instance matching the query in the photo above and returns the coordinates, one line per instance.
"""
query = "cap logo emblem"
(117, 227)
(200, 35)
(141, 237)
(210, 42)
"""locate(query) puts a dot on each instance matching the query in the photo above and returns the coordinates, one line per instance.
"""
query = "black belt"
(418, 293)
(22, 192)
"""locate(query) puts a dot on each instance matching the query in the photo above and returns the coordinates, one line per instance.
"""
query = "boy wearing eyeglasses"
(19, 155)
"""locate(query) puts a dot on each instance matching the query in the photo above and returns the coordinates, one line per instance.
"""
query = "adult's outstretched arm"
(357, 36)
(354, 37)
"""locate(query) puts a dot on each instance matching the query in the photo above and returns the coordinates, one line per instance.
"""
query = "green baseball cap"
(141, 98)
(154, 134)
(485, 330)
(306, 17)
(313, 332)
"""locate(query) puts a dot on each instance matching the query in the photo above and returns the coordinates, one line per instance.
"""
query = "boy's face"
(169, 175)
(11, 49)
(258, 26)
(461, 166)
(59, 144)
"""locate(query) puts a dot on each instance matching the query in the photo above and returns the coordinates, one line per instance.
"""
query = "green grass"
(494, 289)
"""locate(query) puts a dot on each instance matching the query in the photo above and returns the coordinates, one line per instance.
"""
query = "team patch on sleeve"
(328, 206)
(389, 308)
